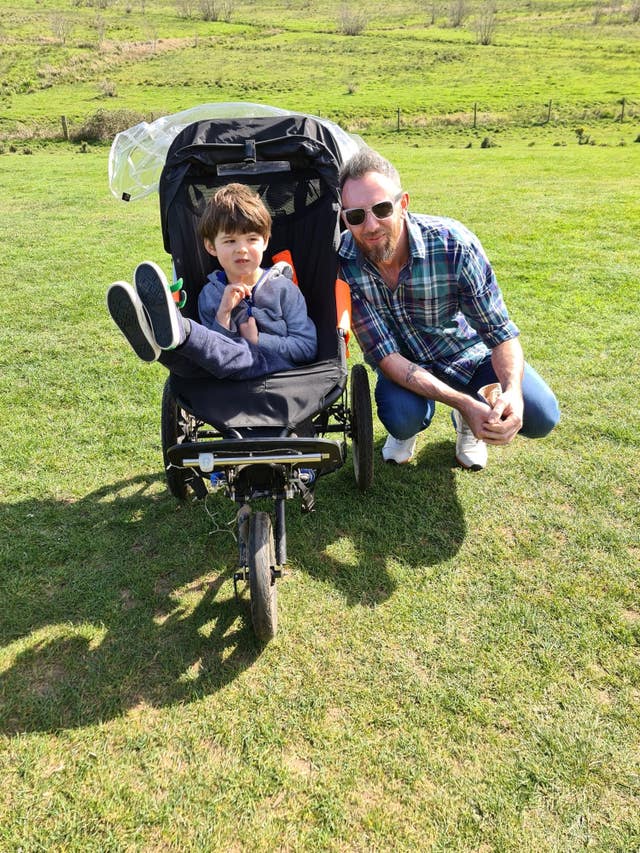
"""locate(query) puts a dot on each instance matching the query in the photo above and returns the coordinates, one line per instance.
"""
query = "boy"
(253, 321)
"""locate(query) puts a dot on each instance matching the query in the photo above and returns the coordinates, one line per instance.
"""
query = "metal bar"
(282, 459)
(281, 533)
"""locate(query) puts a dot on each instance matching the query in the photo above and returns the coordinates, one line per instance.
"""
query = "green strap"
(174, 288)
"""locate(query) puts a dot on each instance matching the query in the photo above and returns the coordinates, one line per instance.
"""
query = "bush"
(351, 22)
(457, 13)
(216, 10)
(485, 23)
(103, 125)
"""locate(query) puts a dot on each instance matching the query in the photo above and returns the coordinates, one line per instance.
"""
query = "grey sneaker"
(399, 451)
(471, 452)
(155, 294)
(127, 312)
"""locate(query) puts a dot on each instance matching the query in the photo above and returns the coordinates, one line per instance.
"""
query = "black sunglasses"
(381, 210)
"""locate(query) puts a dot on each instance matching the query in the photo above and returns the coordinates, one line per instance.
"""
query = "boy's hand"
(232, 296)
(249, 330)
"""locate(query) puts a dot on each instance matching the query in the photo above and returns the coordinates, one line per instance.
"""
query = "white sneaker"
(471, 452)
(398, 451)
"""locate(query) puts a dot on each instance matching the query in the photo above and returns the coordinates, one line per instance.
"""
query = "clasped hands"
(497, 425)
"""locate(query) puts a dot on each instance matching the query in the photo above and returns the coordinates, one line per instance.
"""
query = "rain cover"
(138, 154)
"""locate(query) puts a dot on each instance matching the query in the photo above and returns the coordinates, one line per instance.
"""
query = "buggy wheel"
(172, 431)
(262, 582)
(361, 427)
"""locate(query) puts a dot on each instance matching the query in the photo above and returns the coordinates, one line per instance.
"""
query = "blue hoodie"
(279, 309)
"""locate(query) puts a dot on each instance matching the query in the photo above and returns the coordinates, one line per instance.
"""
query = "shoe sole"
(153, 290)
(129, 318)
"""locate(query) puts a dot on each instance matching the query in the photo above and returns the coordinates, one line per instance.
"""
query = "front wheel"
(262, 581)
(361, 427)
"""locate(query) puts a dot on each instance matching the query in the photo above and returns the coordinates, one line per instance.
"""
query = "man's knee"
(540, 419)
(541, 409)
(402, 412)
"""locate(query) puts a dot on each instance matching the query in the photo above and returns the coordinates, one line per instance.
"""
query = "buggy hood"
(138, 155)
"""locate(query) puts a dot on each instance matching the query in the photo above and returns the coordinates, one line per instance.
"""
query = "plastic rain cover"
(138, 154)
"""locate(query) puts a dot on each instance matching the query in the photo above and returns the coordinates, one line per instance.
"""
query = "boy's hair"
(235, 209)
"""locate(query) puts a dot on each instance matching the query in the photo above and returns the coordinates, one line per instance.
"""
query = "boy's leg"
(228, 358)
(218, 355)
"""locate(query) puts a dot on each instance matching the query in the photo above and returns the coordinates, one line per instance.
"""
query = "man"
(429, 316)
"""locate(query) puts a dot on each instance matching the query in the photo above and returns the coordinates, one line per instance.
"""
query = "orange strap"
(343, 308)
(285, 255)
(343, 295)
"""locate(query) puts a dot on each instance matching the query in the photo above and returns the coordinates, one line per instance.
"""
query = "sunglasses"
(381, 210)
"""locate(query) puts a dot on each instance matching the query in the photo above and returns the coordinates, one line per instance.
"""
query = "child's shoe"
(130, 317)
(156, 296)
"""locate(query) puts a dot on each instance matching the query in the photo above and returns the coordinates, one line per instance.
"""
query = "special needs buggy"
(271, 437)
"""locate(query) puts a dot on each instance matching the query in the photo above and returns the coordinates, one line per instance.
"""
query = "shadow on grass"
(411, 515)
(122, 598)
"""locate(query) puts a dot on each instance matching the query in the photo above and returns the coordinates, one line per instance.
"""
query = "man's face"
(376, 238)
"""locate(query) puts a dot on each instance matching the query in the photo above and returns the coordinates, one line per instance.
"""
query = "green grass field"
(457, 665)
(75, 58)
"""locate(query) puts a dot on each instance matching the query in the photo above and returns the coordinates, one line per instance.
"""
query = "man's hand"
(497, 425)
(504, 421)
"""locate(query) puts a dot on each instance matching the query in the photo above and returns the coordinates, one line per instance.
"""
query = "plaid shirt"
(447, 311)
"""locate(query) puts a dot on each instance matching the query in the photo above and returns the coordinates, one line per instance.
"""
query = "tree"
(457, 12)
(61, 27)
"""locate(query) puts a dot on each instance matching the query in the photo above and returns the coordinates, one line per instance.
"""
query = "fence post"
(549, 111)
(65, 129)
(475, 114)
(622, 103)
(398, 120)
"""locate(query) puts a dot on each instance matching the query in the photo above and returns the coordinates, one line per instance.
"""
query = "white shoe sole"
(128, 314)
(153, 289)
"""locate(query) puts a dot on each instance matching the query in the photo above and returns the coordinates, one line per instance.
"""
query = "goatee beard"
(378, 254)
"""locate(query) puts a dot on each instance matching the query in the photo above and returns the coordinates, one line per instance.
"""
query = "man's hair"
(367, 160)
(235, 209)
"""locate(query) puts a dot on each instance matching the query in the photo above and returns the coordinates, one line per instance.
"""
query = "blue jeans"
(404, 413)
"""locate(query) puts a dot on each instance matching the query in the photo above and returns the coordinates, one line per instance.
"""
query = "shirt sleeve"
(481, 300)
(373, 336)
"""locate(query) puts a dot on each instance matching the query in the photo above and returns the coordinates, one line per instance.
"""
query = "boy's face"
(240, 255)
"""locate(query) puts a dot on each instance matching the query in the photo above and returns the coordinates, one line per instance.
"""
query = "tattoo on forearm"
(410, 371)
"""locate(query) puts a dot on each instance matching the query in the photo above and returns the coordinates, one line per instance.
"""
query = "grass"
(155, 61)
(457, 661)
